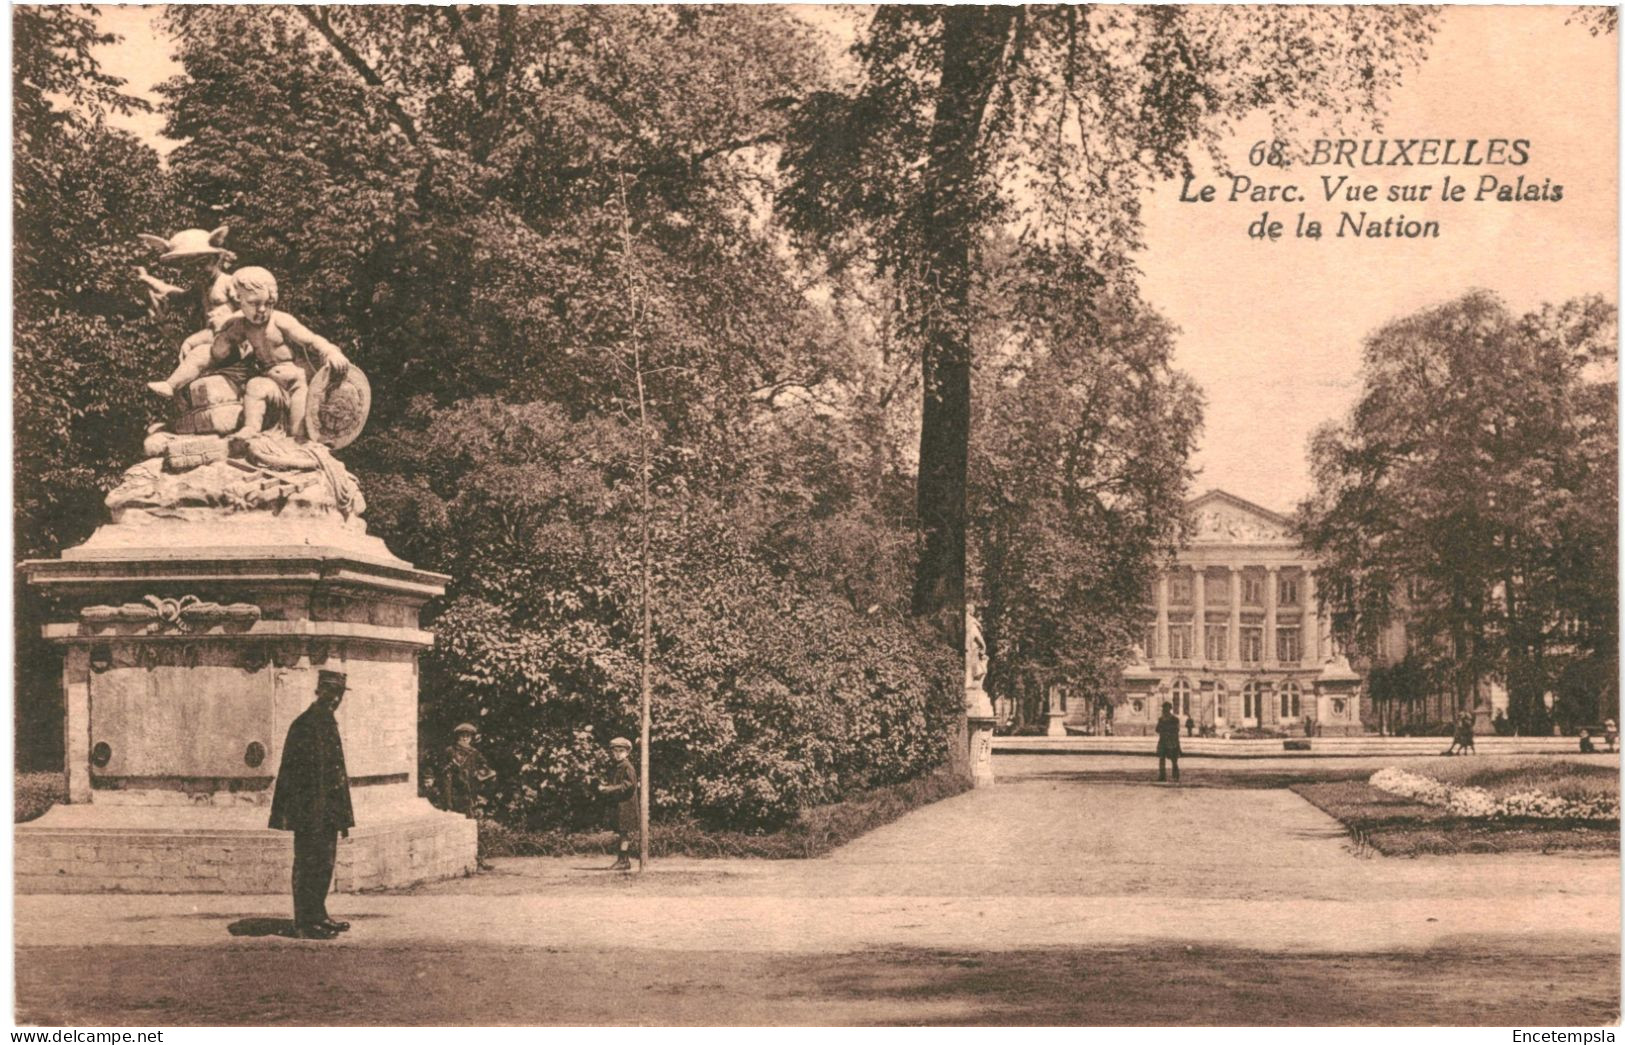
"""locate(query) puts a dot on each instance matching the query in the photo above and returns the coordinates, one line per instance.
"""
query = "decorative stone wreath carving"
(186, 613)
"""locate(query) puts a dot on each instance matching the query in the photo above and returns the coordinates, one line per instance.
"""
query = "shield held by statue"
(337, 409)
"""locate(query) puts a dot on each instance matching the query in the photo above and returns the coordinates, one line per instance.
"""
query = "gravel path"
(1044, 860)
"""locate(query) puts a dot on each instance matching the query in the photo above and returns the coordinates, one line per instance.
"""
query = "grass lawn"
(1396, 826)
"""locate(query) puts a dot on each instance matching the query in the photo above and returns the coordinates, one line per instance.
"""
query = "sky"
(1272, 331)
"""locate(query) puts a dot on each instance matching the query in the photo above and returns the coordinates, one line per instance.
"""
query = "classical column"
(1271, 578)
(1151, 655)
(1309, 632)
(1233, 646)
(1199, 614)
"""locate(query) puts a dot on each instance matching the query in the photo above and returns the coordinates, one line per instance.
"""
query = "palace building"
(1232, 634)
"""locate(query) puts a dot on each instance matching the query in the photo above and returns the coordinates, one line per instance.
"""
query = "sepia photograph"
(752, 515)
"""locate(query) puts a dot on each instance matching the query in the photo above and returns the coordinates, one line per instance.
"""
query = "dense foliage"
(1473, 490)
(444, 193)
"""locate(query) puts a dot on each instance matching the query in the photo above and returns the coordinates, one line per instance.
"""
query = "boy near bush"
(623, 786)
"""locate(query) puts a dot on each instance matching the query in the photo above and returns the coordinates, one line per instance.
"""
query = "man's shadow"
(261, 927)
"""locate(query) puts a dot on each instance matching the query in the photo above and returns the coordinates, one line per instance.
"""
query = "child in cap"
(623, 786)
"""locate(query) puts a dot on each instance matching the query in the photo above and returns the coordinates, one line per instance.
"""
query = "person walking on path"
(1610, 733)
(623, 787)
(1190, 726)
(1462, 741)
(1167, 742)
(312, 799)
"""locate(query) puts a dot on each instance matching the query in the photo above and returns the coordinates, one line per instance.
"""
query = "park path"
(1042, 860)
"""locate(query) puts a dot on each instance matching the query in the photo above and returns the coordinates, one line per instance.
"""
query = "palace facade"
(1232, 635)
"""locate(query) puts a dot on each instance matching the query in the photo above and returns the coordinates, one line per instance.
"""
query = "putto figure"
(201, 307)
(271, 337)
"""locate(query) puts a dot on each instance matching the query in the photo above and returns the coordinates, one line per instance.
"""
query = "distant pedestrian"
(1610, 733)
(1586, 746)
(622, 786)
(312, 799)
(1190, 726)
(1464, 734)
(1308, 727)
(1167, 742)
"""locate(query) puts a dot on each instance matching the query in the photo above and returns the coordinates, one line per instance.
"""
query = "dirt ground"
(1056, 897)
(304, 983)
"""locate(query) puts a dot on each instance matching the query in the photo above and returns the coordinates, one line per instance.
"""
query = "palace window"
(1179, 642)
(1287, 589)
(1252, 645)
(1220, 696)
(1252, 700)
(1291, 700)
(1179, 587)
(1288, 646)
(1148, 641)
(1181, 699)
(1252, 589)
(1217, 590)
(1218, 643)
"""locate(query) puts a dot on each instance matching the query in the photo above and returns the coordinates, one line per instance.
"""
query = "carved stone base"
(981, 751)
(188, 652)
(212, 849)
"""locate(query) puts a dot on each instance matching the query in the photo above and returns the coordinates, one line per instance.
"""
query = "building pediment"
(1221, 518)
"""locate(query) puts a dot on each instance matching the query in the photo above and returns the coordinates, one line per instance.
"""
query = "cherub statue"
(202, 307)
(271, 338)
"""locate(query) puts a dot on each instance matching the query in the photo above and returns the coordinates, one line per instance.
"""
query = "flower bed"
(1477, 802)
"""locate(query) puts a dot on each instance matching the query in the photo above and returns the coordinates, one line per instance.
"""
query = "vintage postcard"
(728, 516)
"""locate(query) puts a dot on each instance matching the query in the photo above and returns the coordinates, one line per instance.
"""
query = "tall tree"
(1473, 491)
(1046, 122)
(1080, 462)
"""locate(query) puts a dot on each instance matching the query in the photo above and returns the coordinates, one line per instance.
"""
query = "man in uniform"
(312, 800)
(623, 786)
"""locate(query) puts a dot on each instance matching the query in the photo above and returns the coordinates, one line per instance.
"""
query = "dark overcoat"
(1168, 737)
(623, 786)
(312, 785)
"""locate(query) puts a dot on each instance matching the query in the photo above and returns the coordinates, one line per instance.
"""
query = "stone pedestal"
(1057, 714)
(190, 647)
(979, 722)
(1338, 692)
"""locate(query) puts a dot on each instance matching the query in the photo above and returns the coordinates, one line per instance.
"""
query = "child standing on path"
(622, 785)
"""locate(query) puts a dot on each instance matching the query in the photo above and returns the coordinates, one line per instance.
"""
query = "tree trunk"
(973, 41)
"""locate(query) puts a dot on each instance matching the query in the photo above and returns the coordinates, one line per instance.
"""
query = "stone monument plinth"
(234, 567)
(1337, 690)
(979, 715)
(189, 648)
